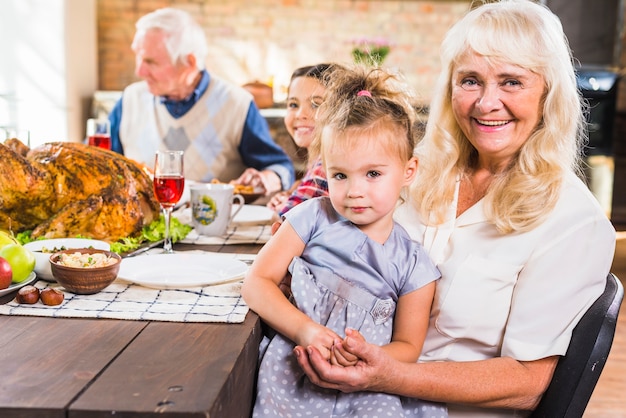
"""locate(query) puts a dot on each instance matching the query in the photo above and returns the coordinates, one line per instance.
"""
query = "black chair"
(577, 372)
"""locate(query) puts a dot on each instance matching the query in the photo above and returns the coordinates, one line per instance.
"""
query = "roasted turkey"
(67, 189)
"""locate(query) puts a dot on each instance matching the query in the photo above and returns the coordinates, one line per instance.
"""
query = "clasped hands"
(330, 345)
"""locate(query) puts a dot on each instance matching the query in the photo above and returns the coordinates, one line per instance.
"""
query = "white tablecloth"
(124, 300)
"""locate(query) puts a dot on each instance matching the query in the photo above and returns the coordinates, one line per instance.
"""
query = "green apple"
(6, 238)
(21, 259)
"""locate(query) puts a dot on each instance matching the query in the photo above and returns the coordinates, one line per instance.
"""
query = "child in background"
(352, 266)
(304, 96)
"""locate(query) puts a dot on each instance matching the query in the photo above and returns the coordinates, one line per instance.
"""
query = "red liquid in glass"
(100, 140)
(169, 189)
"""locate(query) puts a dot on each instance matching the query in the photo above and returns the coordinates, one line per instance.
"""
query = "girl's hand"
(339, 356)
(275, 226)
(318, 336)
(371, 372)
(278, 200)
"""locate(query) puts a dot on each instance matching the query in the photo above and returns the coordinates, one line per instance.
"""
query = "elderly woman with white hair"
(522, 245)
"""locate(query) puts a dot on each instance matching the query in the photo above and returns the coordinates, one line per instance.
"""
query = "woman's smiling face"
(496, 105)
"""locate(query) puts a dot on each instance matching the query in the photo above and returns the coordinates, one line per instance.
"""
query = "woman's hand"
(368, 374)
(339, 356)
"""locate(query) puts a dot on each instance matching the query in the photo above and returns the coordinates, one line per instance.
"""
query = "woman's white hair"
(525, 34)
(183, 35)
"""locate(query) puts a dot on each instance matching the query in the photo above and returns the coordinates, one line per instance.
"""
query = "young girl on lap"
(352, 266)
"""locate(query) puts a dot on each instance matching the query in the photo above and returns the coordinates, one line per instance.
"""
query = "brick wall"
(267, 39)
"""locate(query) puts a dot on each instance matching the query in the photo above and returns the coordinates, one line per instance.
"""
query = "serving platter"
(15, 286)
(181, 270)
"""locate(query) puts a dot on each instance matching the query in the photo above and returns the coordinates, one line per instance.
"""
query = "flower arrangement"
(371, 51)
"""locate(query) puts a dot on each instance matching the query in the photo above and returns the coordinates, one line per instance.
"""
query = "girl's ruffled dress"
(342, 280)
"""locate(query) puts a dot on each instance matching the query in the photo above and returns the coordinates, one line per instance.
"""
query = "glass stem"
(167, 241)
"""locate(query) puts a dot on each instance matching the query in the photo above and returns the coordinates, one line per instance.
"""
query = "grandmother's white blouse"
(517, 295)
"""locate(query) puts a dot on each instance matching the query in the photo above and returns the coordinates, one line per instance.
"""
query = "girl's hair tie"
(364, 93)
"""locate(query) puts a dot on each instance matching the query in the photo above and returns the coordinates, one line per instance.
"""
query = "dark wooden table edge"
(242, 379)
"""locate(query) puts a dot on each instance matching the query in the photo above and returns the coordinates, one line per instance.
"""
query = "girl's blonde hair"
(366, 99)
(528, 35)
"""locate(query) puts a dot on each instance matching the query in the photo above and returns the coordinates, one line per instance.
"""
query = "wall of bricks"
(267, 39)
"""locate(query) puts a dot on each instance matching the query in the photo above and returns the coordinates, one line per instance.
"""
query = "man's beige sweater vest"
(209, 132)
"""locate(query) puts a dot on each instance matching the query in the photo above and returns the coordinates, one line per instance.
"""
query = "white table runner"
(124, 300)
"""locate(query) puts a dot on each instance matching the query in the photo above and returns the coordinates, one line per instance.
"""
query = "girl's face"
(305, 96)
(497, 106)
(365, 177)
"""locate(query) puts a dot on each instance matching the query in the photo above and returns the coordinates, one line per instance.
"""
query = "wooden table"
(87, 368)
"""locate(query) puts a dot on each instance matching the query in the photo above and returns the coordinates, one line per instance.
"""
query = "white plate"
(179, 270)
(253, 215)
(14, 286)
(42, 260)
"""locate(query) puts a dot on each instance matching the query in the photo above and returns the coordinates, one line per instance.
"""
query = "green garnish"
(149, 233)
(152, 233)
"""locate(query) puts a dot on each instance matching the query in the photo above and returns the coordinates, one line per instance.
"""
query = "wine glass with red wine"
(99, 133)
(169, 182)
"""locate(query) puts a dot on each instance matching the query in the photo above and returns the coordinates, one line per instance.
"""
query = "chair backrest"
(578, 371)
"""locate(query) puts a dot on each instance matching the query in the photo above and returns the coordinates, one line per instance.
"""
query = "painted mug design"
(213, 207)
(205, 211)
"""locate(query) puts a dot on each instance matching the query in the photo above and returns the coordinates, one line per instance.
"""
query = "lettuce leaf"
(153, 232)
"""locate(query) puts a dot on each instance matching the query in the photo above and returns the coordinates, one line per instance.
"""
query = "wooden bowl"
(84, 280)
(44, 248)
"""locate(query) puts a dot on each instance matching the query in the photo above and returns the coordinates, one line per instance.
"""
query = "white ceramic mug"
(211, 207)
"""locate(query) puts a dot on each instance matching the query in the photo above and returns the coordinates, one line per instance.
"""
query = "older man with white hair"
(178, 105)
